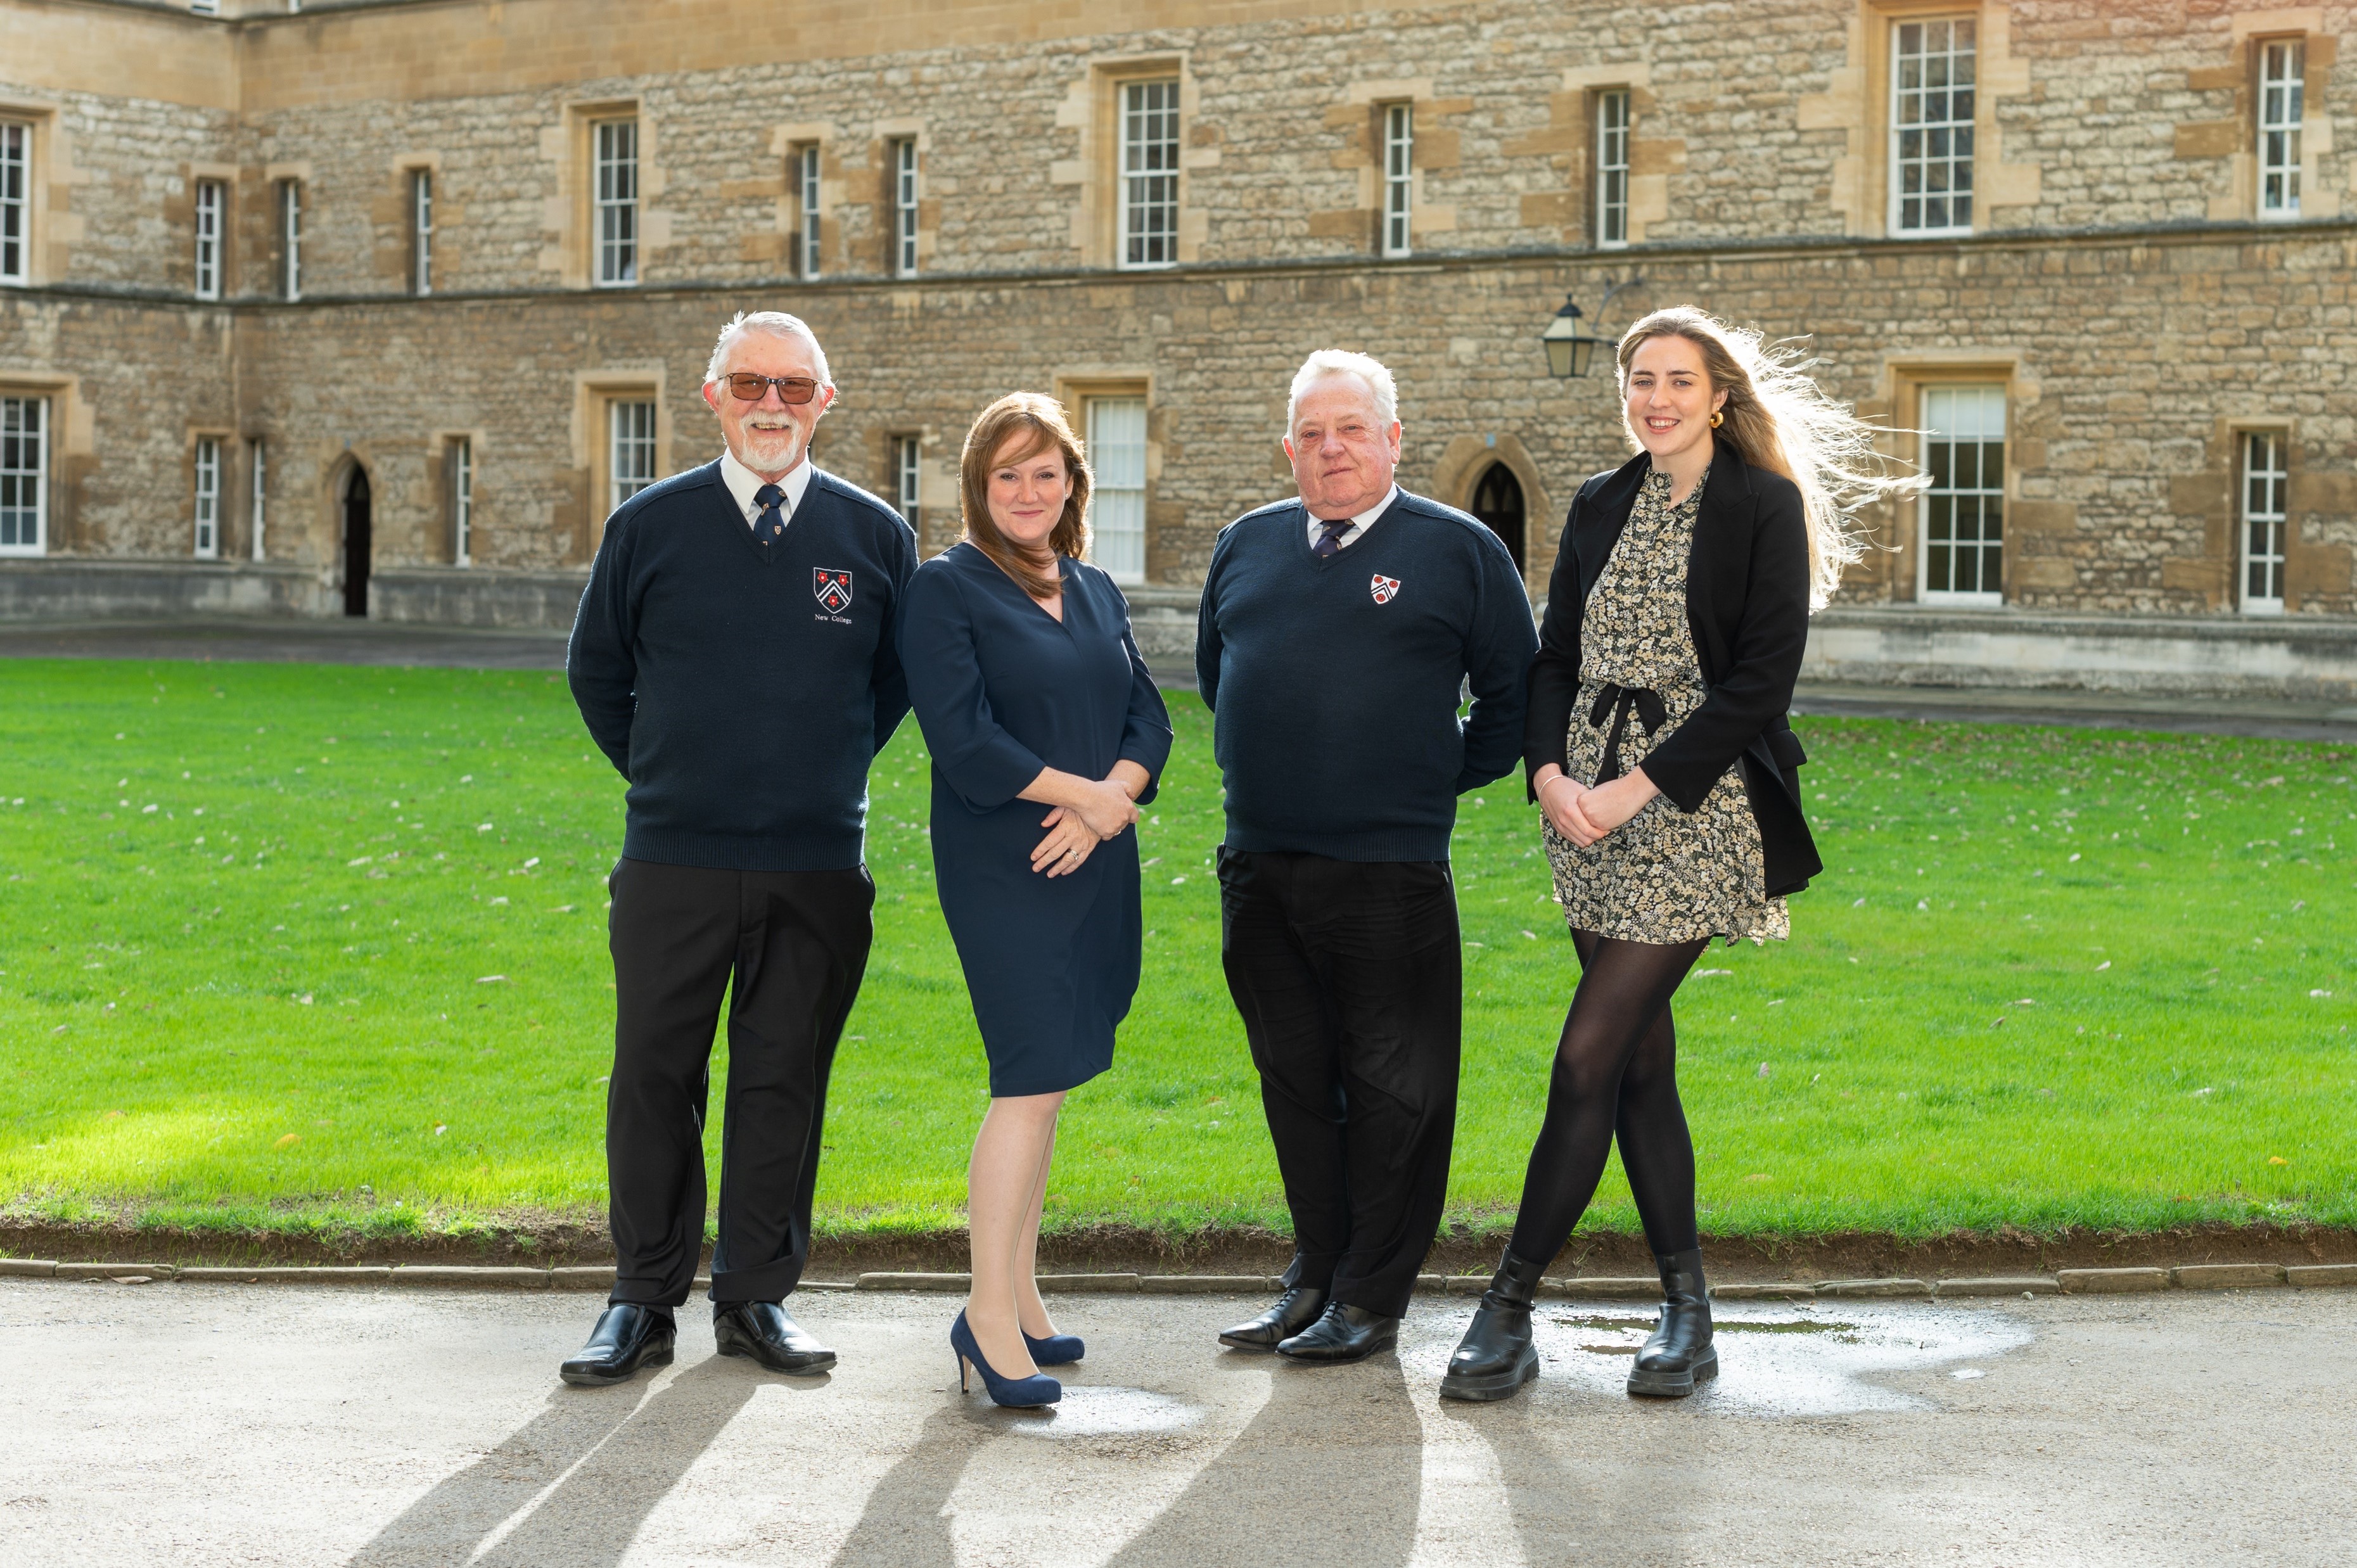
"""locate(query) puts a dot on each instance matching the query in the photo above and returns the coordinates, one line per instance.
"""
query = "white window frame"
(809, 260)
(629, 447)
(1116, 439)
(462, 501)
(208, 487)
(904, 208)
(1399, 178)
(1923, 104)
(614, 201)
(1983, 500)
(2282, 88)
(908, 474)
(16, 201)
(2266, 493)
(290, 238)
(421, 232)
(1146, 175)
(24, 474)
(211, 232)
(1612, 132)
(258, 475)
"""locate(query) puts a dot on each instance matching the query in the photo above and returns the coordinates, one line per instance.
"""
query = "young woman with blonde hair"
(1661, 756)
(1031, 694)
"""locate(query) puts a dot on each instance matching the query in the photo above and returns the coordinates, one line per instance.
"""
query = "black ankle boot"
(1496, 1356)
(1679, 1355)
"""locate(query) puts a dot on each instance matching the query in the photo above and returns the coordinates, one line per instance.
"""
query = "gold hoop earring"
(1717, 418)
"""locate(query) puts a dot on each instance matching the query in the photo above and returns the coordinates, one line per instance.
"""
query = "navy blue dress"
(1002, 688)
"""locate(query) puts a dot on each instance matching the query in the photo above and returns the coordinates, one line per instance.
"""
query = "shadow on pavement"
(1564, 1511)
(906, 1522)
(1331, 1470)
(625, 1448)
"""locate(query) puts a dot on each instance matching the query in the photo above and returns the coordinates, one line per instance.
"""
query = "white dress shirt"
(1359, 523)
(744, 483)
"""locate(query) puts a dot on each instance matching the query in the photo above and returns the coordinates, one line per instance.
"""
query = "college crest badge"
(1386, 589)
(832, 589)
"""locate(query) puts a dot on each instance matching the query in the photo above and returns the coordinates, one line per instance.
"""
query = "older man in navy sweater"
(1335, 636)
(734, 656)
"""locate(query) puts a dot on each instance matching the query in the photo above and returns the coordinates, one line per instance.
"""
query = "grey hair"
(1342, 363)
(775, 324)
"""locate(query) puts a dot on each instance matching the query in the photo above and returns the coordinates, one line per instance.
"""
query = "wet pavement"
(201, 1422)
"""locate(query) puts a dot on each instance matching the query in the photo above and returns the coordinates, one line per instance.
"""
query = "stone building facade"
(379, 306)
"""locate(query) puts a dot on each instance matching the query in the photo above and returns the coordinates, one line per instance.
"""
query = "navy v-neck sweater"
(1333, 684)
(744, 689)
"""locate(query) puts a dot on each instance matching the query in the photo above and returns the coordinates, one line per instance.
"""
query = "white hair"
(775, 324)
(1342, 363)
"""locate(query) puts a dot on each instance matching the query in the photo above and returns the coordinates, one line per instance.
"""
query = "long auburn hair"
(1015, 429)
(1778, 418)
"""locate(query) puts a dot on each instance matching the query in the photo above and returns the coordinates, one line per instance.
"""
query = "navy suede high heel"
(1055, 1350)
(1015, 1393)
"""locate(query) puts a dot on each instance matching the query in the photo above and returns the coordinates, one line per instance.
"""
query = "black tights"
(1616, 1069)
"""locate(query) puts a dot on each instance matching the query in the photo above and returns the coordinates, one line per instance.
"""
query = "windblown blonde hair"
(1778, 418)
(1015, 429)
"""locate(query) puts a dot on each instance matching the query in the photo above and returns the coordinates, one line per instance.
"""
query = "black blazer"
(1748, 605)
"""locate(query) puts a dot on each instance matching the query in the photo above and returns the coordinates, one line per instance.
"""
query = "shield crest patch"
(832, 589)
(1386, 589)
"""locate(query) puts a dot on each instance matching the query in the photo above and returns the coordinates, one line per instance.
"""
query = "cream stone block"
(1423, 220)
(2261, 22)
(1388, 89)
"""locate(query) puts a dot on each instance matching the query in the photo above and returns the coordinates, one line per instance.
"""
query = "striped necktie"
(771, 526)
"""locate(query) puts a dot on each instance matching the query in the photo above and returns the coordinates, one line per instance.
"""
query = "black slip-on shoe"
(627, 1336)
(761, 1331)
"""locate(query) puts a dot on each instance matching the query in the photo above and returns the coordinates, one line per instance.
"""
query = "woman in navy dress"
(1047, 733)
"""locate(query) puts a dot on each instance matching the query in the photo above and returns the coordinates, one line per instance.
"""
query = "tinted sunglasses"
(750, 388)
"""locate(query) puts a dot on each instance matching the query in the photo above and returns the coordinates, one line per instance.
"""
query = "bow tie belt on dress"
(1614, 702)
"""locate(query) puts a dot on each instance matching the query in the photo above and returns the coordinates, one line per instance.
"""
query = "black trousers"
(1351, 981)
(788, 949)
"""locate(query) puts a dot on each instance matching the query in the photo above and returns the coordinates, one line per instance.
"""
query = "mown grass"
(310, 947)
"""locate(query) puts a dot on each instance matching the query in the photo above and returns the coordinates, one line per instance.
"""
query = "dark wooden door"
(1498, 501)
(356, 544)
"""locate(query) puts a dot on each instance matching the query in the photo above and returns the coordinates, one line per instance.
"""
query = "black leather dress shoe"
(1342, 1334)
(1295, 1310)
(627, 1338)
(761, 1330)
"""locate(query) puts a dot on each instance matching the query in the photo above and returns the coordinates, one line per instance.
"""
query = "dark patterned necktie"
(771, 526)
(1329, 541)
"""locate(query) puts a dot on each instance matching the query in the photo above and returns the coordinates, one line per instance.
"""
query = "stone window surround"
(275, 177)
(1092, 109)
(441, 483)
(886, 137)
(2235, 138)
(2215, 495)
(594, 392)
(229, 492)
(1894, 562)
(1568, 144)
(788, 143)
(570, 214)
(1075, 387)
(1857, 100)
(1360, 117)
(50, 225)
(72, 445)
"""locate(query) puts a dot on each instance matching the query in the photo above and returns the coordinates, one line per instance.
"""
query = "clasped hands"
(1585, 813)
(1087, 812)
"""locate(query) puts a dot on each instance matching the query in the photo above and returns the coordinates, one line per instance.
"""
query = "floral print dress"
(1664, 876)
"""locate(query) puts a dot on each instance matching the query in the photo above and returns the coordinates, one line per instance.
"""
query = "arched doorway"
(356, 540)
(1498, 502)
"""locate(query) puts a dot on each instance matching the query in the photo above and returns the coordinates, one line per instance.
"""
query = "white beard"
(773, 451)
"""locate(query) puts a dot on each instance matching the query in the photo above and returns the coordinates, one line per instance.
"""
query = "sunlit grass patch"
(306, 946)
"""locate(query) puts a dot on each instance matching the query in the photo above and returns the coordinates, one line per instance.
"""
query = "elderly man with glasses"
(734, 656)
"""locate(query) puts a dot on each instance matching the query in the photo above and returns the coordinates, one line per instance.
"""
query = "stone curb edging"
(599, 1277)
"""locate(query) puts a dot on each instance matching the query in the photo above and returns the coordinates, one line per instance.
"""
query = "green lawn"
(301, 946)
